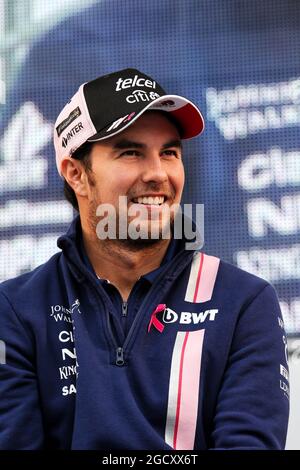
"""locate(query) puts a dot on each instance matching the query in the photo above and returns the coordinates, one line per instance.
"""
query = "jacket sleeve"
(20, 414)
(253, 403)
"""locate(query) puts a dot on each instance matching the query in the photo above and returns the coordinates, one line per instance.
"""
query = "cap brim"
(183, 111)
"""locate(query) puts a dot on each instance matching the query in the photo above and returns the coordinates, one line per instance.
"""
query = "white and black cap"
(109, 104)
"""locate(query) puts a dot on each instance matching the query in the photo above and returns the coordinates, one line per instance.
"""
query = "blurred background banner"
(239, 60)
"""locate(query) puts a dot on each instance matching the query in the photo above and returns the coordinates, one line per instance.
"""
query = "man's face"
(143, 163)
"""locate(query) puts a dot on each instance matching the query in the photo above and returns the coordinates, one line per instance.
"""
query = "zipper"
(119, 350)
(120, 357)
(124, 309)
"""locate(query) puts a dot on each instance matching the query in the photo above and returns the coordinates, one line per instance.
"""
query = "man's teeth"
(150, 200)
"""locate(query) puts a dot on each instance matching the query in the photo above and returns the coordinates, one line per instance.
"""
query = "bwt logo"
(2, 352)
(170, 316)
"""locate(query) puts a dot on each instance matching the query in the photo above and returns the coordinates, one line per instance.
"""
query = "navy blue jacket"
(208, 370)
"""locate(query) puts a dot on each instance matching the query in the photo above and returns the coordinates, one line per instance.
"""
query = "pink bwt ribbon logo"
(154, 320)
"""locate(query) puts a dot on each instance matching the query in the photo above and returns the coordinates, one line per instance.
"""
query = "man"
(125, 342)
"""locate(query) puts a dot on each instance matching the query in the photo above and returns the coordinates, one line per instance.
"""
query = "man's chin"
(145, 238)
(139, 243)
(137, 236)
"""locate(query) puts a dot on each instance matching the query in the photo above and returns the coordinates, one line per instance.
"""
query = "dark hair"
(82, 154)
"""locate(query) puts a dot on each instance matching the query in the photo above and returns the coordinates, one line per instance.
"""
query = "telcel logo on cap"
(132, 82)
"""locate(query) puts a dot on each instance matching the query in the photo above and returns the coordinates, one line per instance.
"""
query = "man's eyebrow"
(173, 143)
(125, 144)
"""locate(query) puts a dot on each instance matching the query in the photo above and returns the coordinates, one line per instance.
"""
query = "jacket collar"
(71, 245)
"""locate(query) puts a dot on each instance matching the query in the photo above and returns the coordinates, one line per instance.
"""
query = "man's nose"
(154, 170)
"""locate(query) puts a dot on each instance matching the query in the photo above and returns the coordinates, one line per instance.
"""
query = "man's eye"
(134, 153)
(170, 153)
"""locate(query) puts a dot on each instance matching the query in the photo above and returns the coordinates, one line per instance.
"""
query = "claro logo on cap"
(66, 122)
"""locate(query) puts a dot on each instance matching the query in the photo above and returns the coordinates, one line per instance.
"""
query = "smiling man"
(127, 339)
(143, 164)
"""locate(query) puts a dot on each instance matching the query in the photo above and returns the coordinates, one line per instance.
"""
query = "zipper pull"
(124, 309)
(120, 357)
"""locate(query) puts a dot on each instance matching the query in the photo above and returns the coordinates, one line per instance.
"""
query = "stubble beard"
(127, 243)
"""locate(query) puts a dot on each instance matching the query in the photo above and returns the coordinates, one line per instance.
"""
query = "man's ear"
(75, 175)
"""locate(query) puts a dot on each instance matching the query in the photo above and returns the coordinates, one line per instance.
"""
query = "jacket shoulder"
(237, 285)
(224, 272)
(29, 282)
(234, 274)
